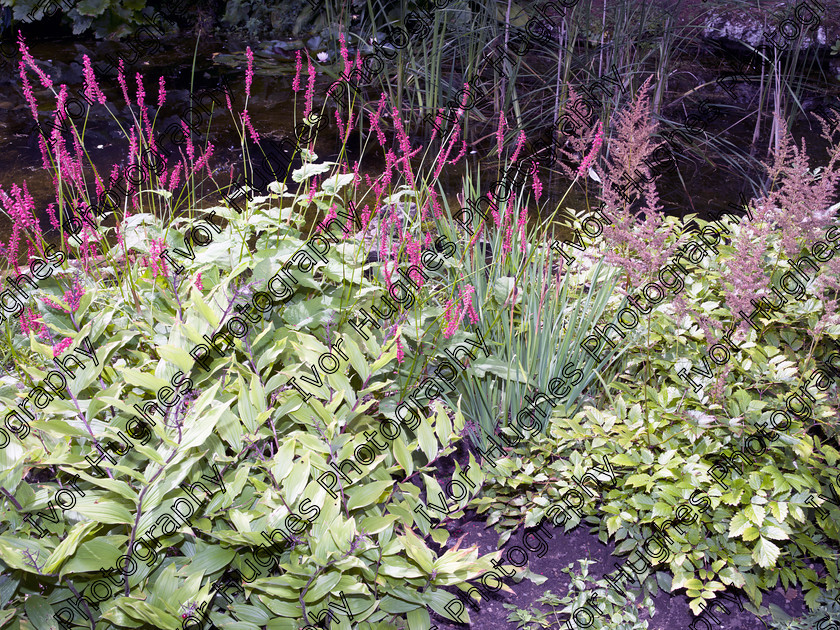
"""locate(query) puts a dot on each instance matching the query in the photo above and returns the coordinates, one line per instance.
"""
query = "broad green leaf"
(39, 613)
(92, 556)
(417, 550)
(364, 495)
(294, 484)
(103, 511)
(68, 546)
(145, 380)
(323, 584)
(426, 439)
(403, 456)
(142, 611)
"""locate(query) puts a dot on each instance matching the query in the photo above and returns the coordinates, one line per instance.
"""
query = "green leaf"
(755, 513)
(362, 496)
(403, 456)
(776, 533)
(91, 556)
(39, 613)
(427, 440)
(437, 601)
(142, 611)
(103, 511)
(418, 619)
(417, 550)
(177, 356)
(67, 547)
(323, 584)
(142, 379)
(738, 525)
(294, 484)
(765, 553)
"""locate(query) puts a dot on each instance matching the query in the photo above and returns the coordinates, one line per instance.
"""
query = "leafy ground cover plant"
(751, 521)
(825, 617)
(619, 612)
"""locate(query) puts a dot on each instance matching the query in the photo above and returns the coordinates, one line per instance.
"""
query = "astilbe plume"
(596, 146)
(827, 289)
(637, 245)
(744, 277)
(577, 144)
(798, 202)
(796, 205)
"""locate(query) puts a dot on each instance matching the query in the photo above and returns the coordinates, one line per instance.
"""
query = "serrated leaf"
(765, 553)
(755, 513)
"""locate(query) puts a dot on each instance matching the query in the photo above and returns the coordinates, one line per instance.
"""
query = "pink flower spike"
(121, 81)
(296, 80)
(198, 283)
(161, 92)
(29, 94)
(400, 352)
(500, 132)
(536, 184)
(310, 87)
(141, 91)
(73, 297)
(30, 321)
(30, 61)
(519, 144)
(339, 124)
(249, 71)
(91, 87)
(348, 65)
(246, 123)
(61, 346)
